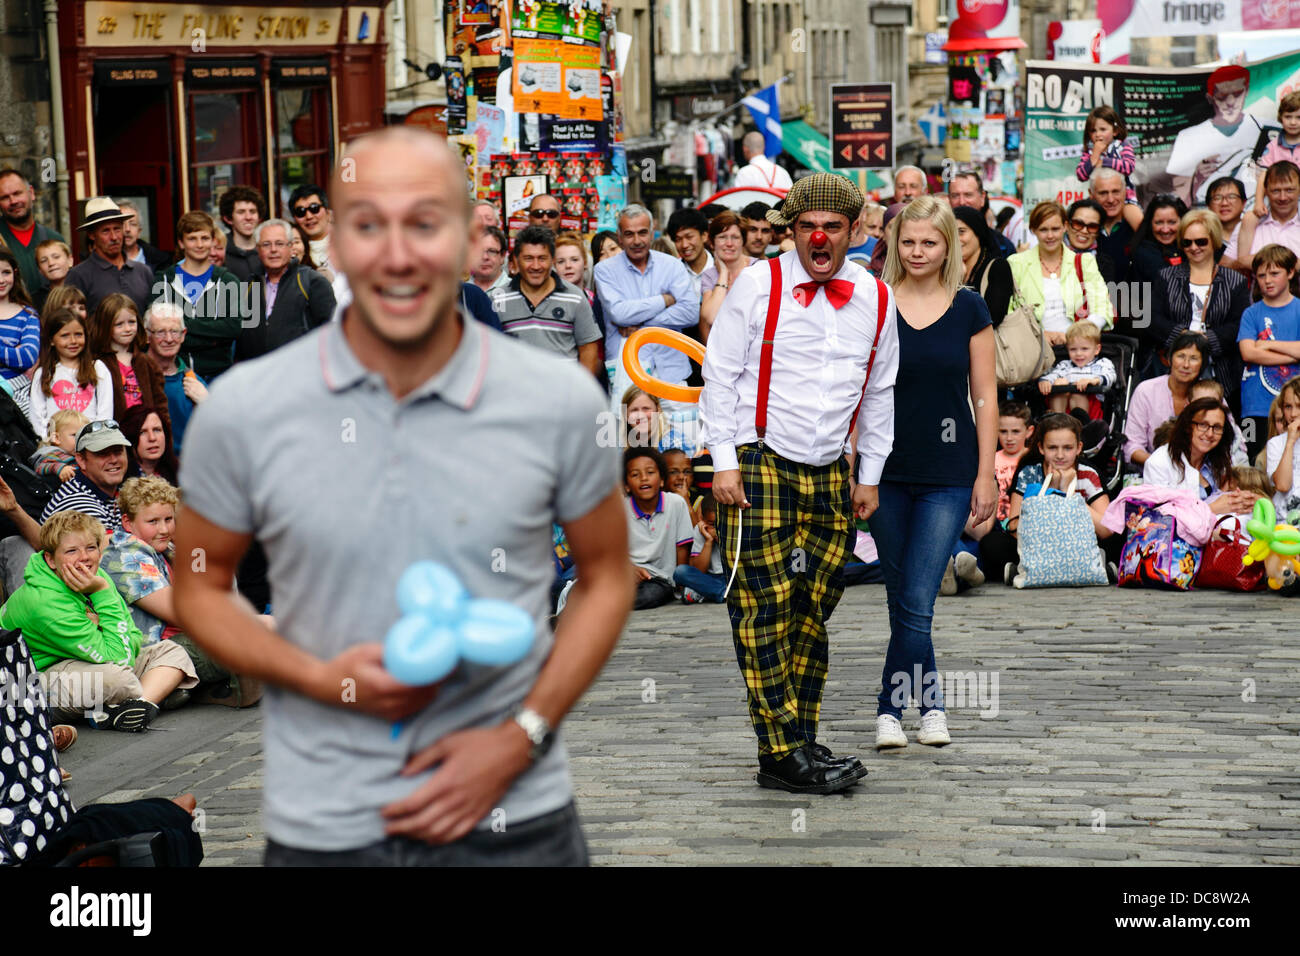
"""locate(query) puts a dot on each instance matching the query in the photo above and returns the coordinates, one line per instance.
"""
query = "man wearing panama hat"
(107, 270)
(802, 344)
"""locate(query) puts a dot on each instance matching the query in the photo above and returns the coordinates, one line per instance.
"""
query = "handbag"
(1221, 565)
(1021, 350)
(1058, 544)
(1154, 554)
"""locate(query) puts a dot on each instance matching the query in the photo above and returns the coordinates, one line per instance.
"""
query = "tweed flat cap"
(820, 192)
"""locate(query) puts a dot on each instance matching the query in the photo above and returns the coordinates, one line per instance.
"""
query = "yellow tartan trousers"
(795, 542)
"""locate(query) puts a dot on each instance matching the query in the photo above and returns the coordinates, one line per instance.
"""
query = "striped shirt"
(561, 322)
(79, 493)
(20, 342)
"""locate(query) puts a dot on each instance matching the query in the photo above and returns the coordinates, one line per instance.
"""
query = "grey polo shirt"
(97, 278)
(345, 487)
(653, 536)
(560, 322)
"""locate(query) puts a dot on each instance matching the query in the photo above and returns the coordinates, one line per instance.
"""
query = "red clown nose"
(819, 238)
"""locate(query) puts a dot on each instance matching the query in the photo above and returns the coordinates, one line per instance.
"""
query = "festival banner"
(1159, 18)
(1183, 139)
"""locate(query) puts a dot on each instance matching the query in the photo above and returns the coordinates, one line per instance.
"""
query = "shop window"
(225, 145)
(303, 137)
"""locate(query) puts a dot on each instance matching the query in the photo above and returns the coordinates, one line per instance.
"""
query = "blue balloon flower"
(441, 624)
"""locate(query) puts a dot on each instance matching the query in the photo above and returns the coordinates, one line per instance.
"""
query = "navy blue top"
(477, 303)
(934, 433)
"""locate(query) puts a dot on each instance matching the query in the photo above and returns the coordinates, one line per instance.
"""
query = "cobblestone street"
(1154, 728)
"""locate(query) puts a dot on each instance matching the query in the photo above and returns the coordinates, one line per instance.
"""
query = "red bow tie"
(838, 291)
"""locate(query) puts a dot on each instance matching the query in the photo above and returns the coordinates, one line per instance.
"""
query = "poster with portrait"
(518, 191)
(1184, 134)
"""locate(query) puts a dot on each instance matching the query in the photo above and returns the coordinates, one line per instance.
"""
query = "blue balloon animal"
(441, 624)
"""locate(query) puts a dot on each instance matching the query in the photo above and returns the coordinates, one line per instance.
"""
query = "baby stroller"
(38, 824)
(1104, 454)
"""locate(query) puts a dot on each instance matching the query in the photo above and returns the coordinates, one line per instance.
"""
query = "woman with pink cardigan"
(1159, 399)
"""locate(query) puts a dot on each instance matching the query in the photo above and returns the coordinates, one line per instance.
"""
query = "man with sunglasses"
(311, 210)
(1083, 223)
(544, 211)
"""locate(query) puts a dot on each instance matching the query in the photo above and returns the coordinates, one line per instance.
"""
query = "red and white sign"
(1075, 40)
(983, 19)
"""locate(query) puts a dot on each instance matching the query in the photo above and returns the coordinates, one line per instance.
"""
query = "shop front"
(170, 104)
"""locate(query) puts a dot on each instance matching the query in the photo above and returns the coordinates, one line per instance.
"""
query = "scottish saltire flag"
(765, 108)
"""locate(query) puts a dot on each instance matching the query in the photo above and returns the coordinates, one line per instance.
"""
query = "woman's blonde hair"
(939, 215)
(1206, 220)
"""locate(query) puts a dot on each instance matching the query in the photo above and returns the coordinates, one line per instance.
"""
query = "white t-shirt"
(1199, 293)
(1054, 319)
(95, 402)
(715, 556)
(1283, 503)
(761, 171)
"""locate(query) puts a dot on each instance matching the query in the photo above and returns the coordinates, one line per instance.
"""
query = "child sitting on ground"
(1245, 478)
(82, 637)
(1209, 388)
(138, 559)
(1056, 456)
(55, 459)
(1284, 456)
(681, 479)
(1015, 426)
(1083, 368)
(703, 578)
(658, 527)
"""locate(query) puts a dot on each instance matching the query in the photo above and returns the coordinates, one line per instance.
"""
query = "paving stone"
(1136, 712)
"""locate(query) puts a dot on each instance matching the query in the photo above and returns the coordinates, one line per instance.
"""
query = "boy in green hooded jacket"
(82, 637)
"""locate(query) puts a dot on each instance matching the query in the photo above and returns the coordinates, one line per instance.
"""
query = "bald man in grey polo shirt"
(400, 433)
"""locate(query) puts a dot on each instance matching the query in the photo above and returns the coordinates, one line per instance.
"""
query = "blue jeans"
(709, 586)
(915, 529)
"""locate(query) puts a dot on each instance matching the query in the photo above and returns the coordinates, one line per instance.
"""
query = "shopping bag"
(1058, 543)
(1221, 564)
(1154, 554)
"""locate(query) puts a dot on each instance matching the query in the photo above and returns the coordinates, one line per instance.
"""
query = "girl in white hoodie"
(66, 375)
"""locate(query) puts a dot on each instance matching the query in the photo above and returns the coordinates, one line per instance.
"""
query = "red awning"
(972, 44)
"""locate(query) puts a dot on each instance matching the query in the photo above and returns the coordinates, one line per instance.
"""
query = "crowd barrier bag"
(1058, 544)
(1154, 554)
(1221, 565)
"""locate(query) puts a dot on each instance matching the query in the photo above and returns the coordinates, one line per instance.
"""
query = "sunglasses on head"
(92, 427)
(544, 213)
(313, 208)
(1084, 226)
(1199, 243)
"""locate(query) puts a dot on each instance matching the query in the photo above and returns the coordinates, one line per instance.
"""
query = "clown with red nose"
(797, 411)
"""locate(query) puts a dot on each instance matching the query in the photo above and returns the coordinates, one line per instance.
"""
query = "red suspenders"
(769, 336)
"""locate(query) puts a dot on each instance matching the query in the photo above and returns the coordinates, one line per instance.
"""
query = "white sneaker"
(968, 569)
(889, 732)
(934, 729)
(948, 586)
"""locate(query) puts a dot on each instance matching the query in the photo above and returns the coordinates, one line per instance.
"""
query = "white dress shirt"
(761, 171)
(819, 359)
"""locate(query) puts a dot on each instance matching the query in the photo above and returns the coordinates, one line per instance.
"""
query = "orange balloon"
(650, 335)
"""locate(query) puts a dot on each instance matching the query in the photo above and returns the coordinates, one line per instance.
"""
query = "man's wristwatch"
(538, 730)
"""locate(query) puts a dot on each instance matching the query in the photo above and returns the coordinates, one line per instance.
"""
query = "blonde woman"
(940, 472)
(1199, 296)
(1047, 277)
